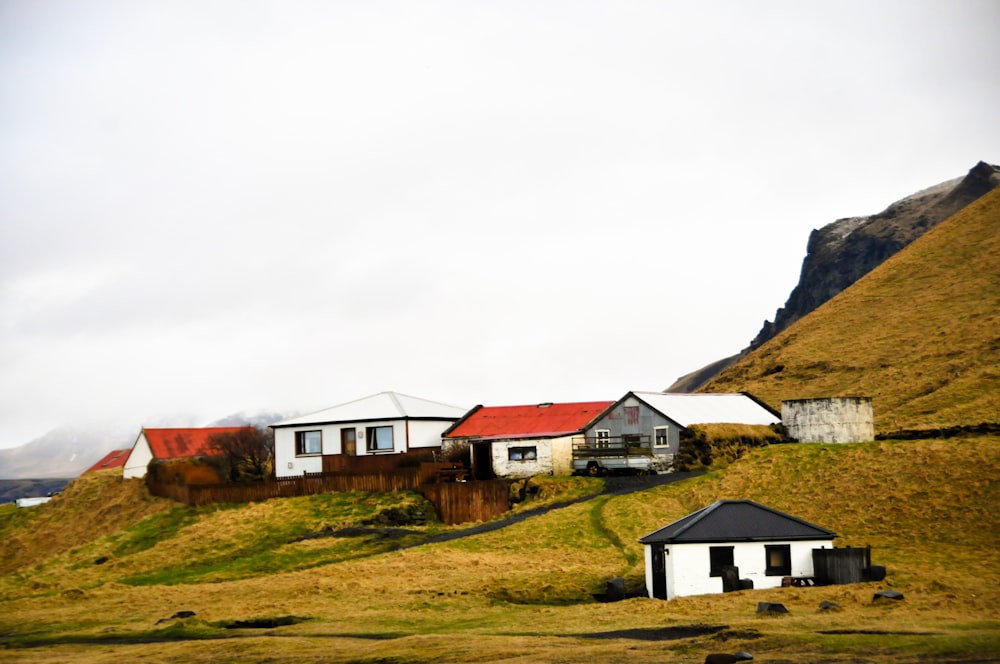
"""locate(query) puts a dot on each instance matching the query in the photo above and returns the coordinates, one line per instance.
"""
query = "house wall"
(619, 424)
(421, 434)
(138, 459)
(830, 420)
(688, 565)
(552, 456)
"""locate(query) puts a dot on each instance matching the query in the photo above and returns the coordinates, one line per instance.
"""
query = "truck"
(631, 454)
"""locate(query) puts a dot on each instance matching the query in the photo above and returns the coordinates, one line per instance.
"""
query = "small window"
(719, 557)
(522, 453)
(380, 439)
(779, 559)
(660, 438)
(308, 442)
(603, 437)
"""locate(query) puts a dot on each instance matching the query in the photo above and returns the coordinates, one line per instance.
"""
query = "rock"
(180, 615)
(887, 594)
(829, 606)
(614, 589)
(726, 658)
(771, 607)
(876, 573)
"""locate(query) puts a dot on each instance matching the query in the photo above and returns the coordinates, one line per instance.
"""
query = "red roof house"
(521, 441)
(113, 459)
(170, 444)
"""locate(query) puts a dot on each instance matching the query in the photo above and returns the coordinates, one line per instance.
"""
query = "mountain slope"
(920, 334)
(840, 253)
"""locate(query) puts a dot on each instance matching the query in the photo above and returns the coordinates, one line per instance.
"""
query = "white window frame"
(372, 440)
(666, 436)
(602, 437)
(302, 439)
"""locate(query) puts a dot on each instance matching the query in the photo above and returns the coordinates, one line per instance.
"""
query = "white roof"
(381, 406)
(688, 409)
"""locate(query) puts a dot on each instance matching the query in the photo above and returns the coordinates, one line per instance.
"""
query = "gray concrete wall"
(829, 420)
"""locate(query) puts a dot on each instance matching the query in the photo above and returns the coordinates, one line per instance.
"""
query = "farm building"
(113, 459)
(384, 423)
(829, 420)
(162, 444)
(638, 433)
(641, 431)
(729, 545)
(521, 441)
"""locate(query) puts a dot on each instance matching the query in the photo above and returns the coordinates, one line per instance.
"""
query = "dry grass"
(525, 593)
(919, 334)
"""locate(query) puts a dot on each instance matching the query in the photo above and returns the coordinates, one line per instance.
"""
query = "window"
(308, 442)
(380, 439)
(522, 453)
(660, 438)
(779, 559)
(719, 557)
(602, 437)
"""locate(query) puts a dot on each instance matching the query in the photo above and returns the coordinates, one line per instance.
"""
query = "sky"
(210, 207)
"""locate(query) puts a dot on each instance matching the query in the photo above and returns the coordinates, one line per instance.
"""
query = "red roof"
(538, 420)
(178, 443)
(113, 459)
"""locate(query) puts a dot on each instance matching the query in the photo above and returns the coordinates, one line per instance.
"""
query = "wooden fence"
(455, 502)
(846, 565)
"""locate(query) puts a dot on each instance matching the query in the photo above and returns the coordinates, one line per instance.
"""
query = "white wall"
(138, 460)
(421, 434)
(830, 420)
(687, 565)
(544, 462)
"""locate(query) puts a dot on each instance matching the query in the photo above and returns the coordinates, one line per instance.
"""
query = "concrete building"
(829, 420)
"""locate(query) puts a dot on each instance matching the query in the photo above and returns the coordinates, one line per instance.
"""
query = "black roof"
(736, 521)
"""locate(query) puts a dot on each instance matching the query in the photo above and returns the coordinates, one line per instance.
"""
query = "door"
(482, 461)
(659, 572)
(349, 441)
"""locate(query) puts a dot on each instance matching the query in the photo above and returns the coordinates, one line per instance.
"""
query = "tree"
(245, 455)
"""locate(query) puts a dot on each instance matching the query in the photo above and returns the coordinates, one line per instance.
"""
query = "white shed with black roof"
(730, 544)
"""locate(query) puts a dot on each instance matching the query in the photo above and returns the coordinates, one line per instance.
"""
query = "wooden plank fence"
(455, 502)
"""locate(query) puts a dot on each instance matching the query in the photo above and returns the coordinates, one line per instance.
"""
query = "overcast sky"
(212, 207)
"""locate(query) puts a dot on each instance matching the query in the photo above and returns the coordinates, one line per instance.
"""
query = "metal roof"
(737, 521)
(113, 459)
(179, 443)
(688, 409)
(546, 420)
(381, 406)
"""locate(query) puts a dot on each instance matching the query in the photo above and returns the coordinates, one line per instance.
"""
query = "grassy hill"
(523, 593)
(920, 334)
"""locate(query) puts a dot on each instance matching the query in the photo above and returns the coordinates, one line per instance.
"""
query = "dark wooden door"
(482, 461)
(659, 572)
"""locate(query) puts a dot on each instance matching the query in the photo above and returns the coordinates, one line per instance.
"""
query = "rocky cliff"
(842, 252)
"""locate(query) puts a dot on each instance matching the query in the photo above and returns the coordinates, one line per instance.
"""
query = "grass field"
(87, 577)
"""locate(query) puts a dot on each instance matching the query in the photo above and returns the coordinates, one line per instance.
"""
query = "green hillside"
(522, 593)
(920, 334)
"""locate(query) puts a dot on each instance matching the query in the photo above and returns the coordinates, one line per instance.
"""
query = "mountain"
(66, 452)
(842, 252)
(920, 334)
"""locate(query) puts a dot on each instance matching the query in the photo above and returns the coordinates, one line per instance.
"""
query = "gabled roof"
(113, 459)
(737, 521)
(546, 420)
(688, 409)
(381, 406)
(179, 443)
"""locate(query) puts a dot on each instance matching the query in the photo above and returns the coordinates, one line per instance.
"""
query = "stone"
(771, 607)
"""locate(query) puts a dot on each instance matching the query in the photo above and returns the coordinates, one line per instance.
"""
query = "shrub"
(704, 445)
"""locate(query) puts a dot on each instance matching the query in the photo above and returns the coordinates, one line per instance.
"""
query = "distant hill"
(920, 334)
(842, 252)
(67, 452)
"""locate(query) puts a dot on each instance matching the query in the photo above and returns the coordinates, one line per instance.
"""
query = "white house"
(384, 423)
(730, 540)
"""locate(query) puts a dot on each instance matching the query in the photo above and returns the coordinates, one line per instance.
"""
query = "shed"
(383, 423)
(730, 541)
